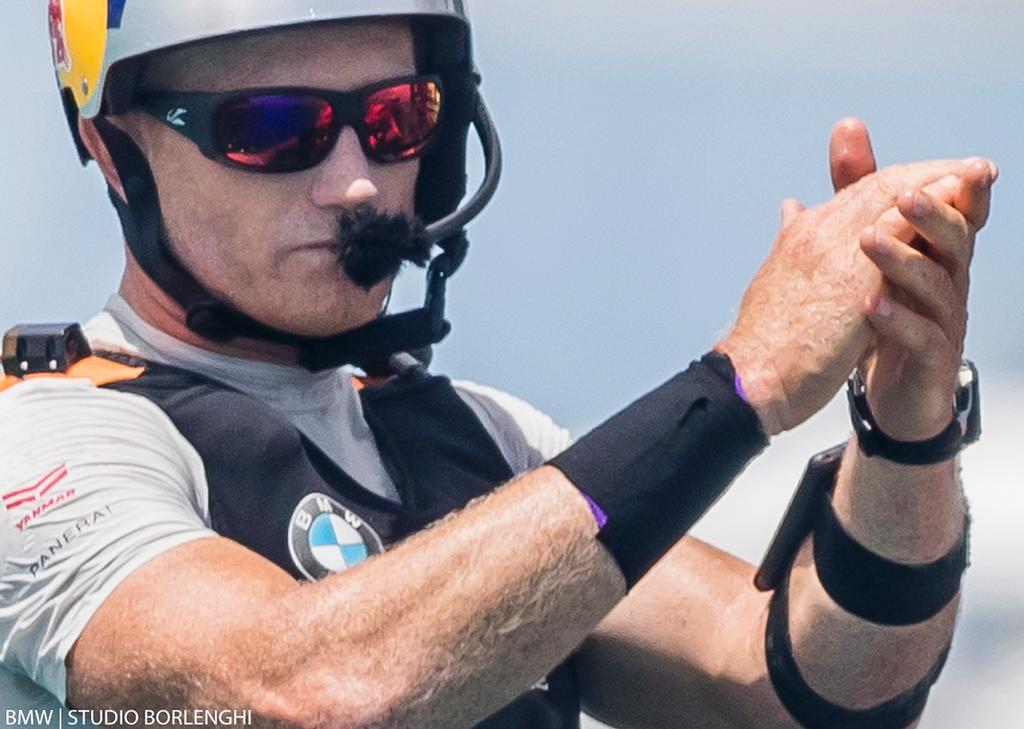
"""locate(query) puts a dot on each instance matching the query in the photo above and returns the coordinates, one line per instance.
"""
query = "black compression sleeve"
(656, 467)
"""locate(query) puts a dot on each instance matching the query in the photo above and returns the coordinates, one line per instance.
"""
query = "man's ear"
(98, 150)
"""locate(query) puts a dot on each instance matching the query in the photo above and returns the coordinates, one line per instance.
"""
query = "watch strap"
(873, 442)
(964, 427)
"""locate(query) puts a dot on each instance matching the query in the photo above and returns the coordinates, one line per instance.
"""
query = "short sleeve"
(526, 436)
(94, 484)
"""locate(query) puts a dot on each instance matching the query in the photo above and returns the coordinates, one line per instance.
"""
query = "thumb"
(850, 155)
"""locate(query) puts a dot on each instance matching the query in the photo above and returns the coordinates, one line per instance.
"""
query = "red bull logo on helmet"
(78, 35)
(61, 56)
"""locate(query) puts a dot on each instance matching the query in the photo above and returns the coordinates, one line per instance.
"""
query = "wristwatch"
(963, 429)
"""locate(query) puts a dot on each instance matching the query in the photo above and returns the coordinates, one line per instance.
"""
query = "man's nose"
(343, 179)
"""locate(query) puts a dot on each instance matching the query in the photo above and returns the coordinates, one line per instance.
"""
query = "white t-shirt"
(97, 482)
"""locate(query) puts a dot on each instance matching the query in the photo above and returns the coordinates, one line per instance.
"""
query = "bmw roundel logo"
(325, 537)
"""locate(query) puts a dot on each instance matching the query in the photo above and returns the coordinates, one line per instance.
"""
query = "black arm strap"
(861, 582)
(812, 710)
(877, 589)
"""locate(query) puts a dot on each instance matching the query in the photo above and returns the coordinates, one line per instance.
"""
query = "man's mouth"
(325, 245)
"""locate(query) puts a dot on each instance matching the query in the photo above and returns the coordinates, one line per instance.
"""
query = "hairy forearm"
(453, 623)
(908, 514)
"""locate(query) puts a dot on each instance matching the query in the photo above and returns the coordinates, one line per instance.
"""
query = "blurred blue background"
(648, 145)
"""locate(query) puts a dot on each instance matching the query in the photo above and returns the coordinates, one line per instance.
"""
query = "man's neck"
(160, 311)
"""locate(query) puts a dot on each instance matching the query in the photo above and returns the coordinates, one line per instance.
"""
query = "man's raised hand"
(923, 248)
(802, 325)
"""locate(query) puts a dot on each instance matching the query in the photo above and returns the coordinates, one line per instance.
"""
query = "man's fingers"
(892, 220)
(921, 174)
(944, 228)
(791, 208)
(914, 274)
(920, 336)
(975, 192)
(849, 153)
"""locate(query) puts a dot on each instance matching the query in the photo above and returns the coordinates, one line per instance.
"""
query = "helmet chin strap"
(375, 347)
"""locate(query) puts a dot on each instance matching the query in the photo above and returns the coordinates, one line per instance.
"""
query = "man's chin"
(319, 324)
(316, 308)
(329, 321)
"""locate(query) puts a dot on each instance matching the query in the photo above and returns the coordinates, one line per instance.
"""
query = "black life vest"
(274, 491)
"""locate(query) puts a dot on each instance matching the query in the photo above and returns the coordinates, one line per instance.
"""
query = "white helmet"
(95, 43)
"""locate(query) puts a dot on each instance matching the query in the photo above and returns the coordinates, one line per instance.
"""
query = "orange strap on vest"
(97, 370)
(361, 382)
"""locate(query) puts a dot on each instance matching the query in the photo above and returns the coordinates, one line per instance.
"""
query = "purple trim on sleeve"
(737, 384)
(599, 516)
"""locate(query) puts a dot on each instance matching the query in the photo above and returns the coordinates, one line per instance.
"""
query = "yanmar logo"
(40, 497)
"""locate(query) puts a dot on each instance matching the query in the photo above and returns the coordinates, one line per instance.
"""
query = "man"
(189, 517)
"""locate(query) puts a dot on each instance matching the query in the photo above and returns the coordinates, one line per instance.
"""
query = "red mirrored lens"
(400, 120)
(275, 133)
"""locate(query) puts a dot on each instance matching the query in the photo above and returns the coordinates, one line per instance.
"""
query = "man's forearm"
(907, 514)
(453, 623)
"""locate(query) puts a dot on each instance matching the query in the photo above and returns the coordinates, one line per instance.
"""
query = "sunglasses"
(292, 129)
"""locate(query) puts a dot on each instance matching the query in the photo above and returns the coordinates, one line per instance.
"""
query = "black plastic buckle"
(798, 523)
(32, 349)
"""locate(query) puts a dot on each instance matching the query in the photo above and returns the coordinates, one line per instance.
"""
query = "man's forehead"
(331, 55)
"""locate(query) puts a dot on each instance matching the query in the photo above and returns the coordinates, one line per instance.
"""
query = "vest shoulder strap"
(96, 369)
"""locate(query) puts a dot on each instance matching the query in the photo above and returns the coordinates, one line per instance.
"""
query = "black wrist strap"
(656, 467)
(964, 427)
(877, 589)
(811, 709)
(873, 442)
